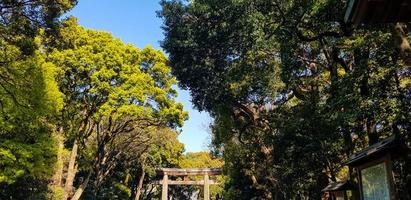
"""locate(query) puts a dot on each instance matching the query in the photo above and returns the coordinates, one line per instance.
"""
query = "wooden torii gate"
(174, 172)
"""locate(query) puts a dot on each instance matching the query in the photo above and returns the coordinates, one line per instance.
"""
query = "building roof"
(339, 186)
(378, 11)
(391, 145)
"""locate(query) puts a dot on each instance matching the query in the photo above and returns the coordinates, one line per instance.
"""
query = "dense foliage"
(293, 89)
(116, 97)
(201, 160)
(29, 97)
(82, 113)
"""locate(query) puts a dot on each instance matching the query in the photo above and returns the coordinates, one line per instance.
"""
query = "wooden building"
(373, 167)
(340, 190)
(378, 11)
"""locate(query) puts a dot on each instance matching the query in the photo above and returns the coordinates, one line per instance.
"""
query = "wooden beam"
(189, 172)
(171, 182)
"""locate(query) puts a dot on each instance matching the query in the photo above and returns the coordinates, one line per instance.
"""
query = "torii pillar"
(164, 193)
(206, 187)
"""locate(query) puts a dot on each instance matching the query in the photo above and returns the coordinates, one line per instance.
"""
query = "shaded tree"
(293, 89)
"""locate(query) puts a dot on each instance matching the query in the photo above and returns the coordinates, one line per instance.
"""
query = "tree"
(114, 94)
(22, 20)
(29, 97)
(200, 160)
(293, 89)
(164, 151)
(132, 176)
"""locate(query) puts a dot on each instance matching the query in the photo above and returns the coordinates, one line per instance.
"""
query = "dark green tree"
(293, 89)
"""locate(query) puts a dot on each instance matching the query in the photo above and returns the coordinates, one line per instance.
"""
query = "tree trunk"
(401, 43)
(140, 185)
(371, 131)
(71, 171)
(82, 187)
(60, 162)
(150, 192)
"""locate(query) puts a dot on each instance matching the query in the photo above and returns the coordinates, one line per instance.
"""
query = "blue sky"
(136, 22)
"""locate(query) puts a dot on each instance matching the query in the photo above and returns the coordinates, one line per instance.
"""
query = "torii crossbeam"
(174, 172)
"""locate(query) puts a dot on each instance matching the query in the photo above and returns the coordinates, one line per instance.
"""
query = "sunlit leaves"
(125, 80)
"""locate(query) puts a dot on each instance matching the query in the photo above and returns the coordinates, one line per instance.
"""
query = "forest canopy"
(293, 89)
(78, 107)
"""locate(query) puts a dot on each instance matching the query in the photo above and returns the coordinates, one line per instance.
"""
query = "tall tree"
(114, 94)
(29, 97)
(293, 89)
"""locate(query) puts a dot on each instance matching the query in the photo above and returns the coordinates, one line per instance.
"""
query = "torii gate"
(174, 172)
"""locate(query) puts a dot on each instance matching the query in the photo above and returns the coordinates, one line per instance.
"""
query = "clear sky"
(136, 22)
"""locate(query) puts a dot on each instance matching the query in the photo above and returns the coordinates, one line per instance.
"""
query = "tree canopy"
(115, 96)
(293, 89)
(78, 105)
(29, 97)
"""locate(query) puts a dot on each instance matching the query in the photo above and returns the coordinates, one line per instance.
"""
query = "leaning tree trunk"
(140, 185)
(401, 43)
(71, 171)
(82, 187)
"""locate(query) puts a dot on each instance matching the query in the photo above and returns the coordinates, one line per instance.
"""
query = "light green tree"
(29, 99)
(114, 94)
(29, 96)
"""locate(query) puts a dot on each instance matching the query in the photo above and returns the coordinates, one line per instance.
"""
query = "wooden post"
(164, 193)
(206, 187)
